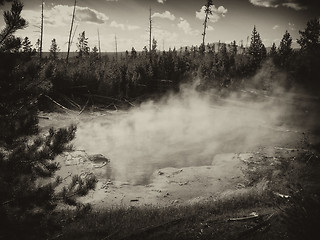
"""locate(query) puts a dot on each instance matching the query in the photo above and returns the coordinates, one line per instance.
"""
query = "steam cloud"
(186, 129)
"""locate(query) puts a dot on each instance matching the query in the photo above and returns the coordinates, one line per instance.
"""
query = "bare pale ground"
(204, 169)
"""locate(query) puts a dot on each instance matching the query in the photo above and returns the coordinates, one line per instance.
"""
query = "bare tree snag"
(72, 21)
(208, 12)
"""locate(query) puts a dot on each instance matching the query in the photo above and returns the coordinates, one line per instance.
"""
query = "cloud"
(185, 26)
(60, 15)
(85, 14)
(123, 27)
(210, 28)
(265, 3)
(165, 15)
(294, 4)
(217, 13)
(161, 1)
(292, 26)
(275, 27)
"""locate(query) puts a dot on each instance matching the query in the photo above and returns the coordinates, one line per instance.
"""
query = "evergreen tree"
(11, 44)
(154, 45)
(26, 45)
(94, 55)
(310, 38)
(273, 50)
(27, 201)
(133, 53)
(233, 48)
(82, 45)
(54, 49)
(13, 21)
(256, 49)
(309, 65)
(285, 50)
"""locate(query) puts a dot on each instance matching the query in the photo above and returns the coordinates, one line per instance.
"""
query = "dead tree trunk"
(99, 44)
(41, 32)
(150, 31)
(208, 12)
(116, 43)
(72, 21)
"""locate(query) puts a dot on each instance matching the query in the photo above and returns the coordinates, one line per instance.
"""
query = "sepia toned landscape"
(159, 119)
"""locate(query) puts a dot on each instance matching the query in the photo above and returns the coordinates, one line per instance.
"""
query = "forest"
(31, 82)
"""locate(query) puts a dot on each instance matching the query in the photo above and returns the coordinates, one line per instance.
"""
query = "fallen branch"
(291, 149)
(56, 237)
(43, 117)
(111, 235)
(84, 106)
(243, 218)
(100, 166)
(129, 102)
(7, 202)
(63, 107)
(73, 103)
(66, 177)
(265, 223)
(104, 97)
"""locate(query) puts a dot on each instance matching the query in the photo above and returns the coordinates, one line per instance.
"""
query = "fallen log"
(55, 102)
(266, 223)
(43, 117)
(73, 103)
(244, 218)
(84, 107)
(103, 97)
(129, 102)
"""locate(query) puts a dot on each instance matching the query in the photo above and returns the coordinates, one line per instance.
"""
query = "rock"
(185, 183)
(167, 194)
(160, 173)
(98, 158)
(175, 202)
(240, 185)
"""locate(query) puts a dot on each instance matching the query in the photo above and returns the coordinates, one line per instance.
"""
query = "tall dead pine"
(72, 21)
(208, 12)
(150, 30)
(41, 32)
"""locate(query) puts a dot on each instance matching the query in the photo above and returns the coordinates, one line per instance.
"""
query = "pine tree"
(285, 50)
(27, 202)
(256, 49)
(37, 46)
(83, 49)
(310, 38)
(26, 45)
(54, 49)
(133, 53)
(309, 53)
(273, 50)
(94, 55)
(13, 21)
(233, 48)
(154, 45)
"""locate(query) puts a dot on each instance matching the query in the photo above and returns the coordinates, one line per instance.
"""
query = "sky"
(175, 23)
